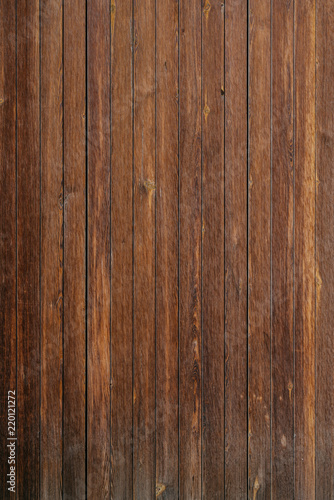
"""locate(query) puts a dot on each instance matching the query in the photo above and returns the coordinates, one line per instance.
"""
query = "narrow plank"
(167, 250)
(122, 251)
(190, 336)
(236, 249)
(259, 251)
(282, 251)
(99, 252)
(51, 18)
(28, 249)
(74, 475)
(304, 249)
(7, 226)
(324, 249)
(213, 248)
(144, 250)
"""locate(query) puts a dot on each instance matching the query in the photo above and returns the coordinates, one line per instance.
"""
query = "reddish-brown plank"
(51, 17)
(122, 251)
(236, 249)
(7, 227)
(28, 249)
(74, 249)
(304, 26)
(324, 249)
(167, 250)
(282, 251)
(99, 251)
(190, 336)
(144, 250)
(259, 252)
(213, 87)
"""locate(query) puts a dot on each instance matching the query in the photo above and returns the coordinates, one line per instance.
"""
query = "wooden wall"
(167, 248)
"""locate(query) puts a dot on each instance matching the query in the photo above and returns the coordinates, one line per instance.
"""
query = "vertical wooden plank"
(74, 475)
(99, 251)
(259, 251)
(236, 249)
(167, 250)
(190, 250)
(305, 249)
(324, 249)
(122, 249)
(51, 17)
(213, 87)
(282, 250)
(28, 248)
(144, 250)
(7, 226)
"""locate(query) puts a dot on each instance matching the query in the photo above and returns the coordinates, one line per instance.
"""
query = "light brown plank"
(122, 251)
(74, 250)
(99, 252)
(236, 249)
(213, 87)
(259, 251)
(167, 250)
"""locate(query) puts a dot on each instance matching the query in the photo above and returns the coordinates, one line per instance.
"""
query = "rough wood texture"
(324, 250)
(99, 251)
(166, 235)
(236, 249)
(74, 68)
(283, 391)
(213, 87)
(167, 249)
(52, 203)
(259, 252)
(122, 249)
(144, 416)
(28, 249)
(7, 222)
(190, 382)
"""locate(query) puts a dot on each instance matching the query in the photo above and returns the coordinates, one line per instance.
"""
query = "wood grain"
(144, 416)
(259, 251)
(74, 419)
(213, 88)
(190, 381)
(236, 249)
(283, 391)
(167, 414)
(7, 223)
(324, 250)
(28, 249)
(52, 256)
(304, 306)
(99, 251)
(122, 249)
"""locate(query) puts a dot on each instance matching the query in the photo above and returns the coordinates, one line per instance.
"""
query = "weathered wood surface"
(166, 248)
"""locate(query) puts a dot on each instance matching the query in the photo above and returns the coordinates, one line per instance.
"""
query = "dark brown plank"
(213, 248)
(259, 252)
(122, 251)
(324, 249)
(144, 250)
(305, 249)
(282, 251)
(99, 252)
(167, 250)
(28, 249)
(236, 249)
(74, 250)
(7, 226)
(190, 250)
(51, 248)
